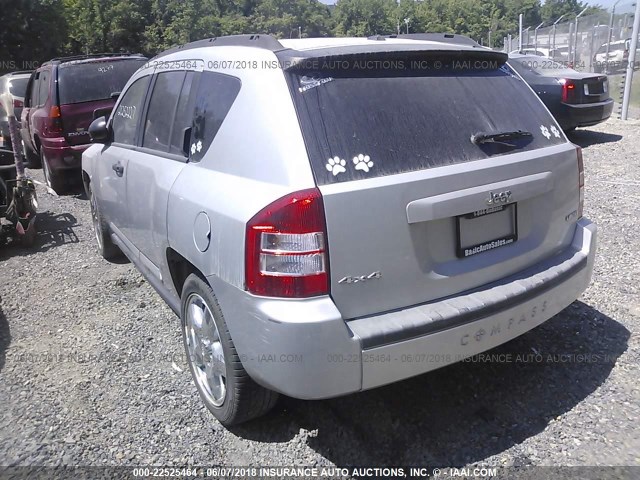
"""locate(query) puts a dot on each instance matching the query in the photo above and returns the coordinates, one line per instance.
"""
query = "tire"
(234, 398)
(33, 160)
(569, 130)
(53, 179)
(106, 247)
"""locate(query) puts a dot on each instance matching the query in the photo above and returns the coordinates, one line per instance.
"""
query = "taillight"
(18, 103)
(580, 182)
(56, 119)
(285, 250)
(568, 90)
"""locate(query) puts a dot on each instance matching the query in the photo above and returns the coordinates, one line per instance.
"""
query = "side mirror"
(98, 130)
(102, 112)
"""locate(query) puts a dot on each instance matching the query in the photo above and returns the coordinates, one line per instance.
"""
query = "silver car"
(331, 215)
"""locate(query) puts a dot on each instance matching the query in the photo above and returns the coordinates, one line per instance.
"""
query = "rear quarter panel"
(257, 156)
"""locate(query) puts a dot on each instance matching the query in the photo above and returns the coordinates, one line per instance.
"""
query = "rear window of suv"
(95, 80)
(363, 124)
(18, 86)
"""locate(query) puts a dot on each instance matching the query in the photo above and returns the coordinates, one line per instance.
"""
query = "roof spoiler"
(391, 57)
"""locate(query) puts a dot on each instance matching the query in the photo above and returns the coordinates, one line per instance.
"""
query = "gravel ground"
(91, 367)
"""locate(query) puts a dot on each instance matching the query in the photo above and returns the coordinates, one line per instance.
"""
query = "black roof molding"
(266, 42)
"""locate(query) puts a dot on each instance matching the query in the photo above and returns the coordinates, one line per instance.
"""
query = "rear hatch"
(415, 210)
(85, 89)
(18, 88)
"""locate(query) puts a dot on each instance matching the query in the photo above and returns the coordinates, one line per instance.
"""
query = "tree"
(290, 18)
(32, 32)
(365, 17)
(554, 9)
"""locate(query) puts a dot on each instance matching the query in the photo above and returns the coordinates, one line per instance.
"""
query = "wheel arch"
(180, 268)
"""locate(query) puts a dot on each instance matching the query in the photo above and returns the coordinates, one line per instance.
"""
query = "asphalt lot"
(91, 369)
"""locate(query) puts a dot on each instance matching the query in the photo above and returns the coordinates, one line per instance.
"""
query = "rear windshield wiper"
(500, 137)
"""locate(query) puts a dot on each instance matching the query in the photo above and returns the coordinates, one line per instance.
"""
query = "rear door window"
(126, 116)
(360, 124)
(43, 87)
(162, 107)
(95, 80)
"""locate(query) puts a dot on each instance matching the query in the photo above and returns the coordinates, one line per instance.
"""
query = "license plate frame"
(491, 243)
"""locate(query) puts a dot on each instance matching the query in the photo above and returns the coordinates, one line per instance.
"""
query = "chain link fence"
(596, 43)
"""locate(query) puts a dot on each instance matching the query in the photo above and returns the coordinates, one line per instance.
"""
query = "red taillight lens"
(18, 104)
(580, 182)
(56, 119)
(568, 90)
(285, 250)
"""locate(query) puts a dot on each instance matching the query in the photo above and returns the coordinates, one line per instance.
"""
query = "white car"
(540, 51)
(617, 57)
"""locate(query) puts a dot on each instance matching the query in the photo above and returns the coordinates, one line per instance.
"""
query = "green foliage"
(31, 31)
(365, 17)
(40, 29)
(290, 18)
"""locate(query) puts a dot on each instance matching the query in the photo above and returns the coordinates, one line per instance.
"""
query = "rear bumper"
(304, 349)
(61, 155)
(584, 115)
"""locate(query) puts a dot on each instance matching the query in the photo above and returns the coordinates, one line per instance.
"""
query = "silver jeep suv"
(331, 215)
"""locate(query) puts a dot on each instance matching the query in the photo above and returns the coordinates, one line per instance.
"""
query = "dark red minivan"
(64, 95)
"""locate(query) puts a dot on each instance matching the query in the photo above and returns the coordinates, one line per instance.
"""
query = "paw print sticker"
(336, 165)
(555, 131)
(196, 147)
(545, 131)
(363, 162)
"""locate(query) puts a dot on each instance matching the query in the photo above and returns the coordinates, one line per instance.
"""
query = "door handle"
(118, 168)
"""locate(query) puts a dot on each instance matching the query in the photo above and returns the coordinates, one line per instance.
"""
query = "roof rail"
(438, 37)
(91, 55)
(254, 40)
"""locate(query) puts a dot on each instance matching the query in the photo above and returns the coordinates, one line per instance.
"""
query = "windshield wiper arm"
(500, 137)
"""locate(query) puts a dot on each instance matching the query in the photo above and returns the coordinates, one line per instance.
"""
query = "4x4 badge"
(362, 278)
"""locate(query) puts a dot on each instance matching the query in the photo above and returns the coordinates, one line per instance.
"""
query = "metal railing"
(598, 43)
